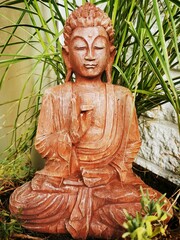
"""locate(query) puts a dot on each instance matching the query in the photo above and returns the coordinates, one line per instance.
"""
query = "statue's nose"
(89, 56)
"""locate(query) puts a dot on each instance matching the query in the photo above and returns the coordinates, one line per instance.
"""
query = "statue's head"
(89, 38)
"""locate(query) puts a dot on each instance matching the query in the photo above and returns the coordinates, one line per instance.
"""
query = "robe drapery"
(56, 202)
(117, 146)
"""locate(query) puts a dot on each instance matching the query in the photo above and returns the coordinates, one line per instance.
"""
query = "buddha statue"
(88, 135)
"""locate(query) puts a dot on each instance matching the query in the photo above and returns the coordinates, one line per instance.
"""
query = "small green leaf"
(162, 230)
(125, 225)
(149, 228)
(158, 209)
(164, 217)
(151, 218)
(155, 232)
(125, 234)
(140, 231)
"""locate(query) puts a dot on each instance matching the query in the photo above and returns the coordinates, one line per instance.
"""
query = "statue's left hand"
(98, 176)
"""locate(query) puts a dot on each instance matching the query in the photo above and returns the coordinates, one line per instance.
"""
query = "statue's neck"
(96, 81)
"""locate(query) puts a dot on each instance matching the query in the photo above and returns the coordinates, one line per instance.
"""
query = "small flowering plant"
(150, 222)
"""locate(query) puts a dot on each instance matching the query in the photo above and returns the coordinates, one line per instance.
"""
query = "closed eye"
(80, 48)
(99, 47)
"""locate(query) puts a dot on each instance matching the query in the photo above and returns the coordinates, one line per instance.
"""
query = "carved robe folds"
(61, 198)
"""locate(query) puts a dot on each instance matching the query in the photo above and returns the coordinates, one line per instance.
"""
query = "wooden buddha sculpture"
(88, 135)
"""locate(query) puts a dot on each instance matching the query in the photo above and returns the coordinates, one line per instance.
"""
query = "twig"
(24, 236)
(174, 202)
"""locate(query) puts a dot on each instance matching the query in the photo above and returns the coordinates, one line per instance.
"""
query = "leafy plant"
(148, 223)
(8, 225)
(146, 39)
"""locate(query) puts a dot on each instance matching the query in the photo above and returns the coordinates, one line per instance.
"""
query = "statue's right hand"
(80, 120)
(75, 119)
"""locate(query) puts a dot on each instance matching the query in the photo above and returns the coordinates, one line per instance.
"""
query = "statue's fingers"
(86, 120)
(74, 112)
(89, 116)
(76, 106)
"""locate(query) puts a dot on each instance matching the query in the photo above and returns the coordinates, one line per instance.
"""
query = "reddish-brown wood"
(88, 135)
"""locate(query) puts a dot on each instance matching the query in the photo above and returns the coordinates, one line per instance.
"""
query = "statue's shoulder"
(59, 89)
(122, 91)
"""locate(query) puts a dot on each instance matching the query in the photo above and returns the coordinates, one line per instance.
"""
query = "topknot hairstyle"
(88, 15)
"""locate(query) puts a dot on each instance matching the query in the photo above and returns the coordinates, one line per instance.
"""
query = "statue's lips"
(90, 65)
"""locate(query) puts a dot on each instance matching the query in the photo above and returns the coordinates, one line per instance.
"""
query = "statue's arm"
(131, 142)
(51, 142)
(134, 141)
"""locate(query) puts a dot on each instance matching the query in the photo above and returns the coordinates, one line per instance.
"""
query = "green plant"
(146, 39)
(148, 223)
(8, 225)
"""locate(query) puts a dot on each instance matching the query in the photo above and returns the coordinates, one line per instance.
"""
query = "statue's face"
(89, 51)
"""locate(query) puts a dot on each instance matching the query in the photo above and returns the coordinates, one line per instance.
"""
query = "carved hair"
(88, 15)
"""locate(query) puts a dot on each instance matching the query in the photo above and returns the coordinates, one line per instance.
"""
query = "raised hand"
(81, 118)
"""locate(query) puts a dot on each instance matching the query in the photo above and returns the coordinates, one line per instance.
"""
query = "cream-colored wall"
(20, 76)
(14, 80)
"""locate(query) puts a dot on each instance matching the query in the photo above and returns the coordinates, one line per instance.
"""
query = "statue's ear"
(112, 54)
(65, 54)
(108, 69)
